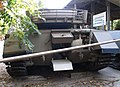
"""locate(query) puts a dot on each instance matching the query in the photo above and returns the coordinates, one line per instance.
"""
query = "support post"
(92, 12)
(75, 6)
(108, 15)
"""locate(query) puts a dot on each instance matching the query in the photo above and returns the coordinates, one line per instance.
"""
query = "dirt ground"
(107, 77)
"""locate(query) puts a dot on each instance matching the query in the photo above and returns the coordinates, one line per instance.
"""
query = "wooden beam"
(116, 2)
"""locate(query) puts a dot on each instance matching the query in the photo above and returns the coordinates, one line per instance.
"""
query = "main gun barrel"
(27, 56)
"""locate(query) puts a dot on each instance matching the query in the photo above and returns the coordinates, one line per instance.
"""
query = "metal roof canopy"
(116, 2)
(97, 6)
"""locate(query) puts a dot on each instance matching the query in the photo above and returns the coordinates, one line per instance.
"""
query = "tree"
(117, 26)
(13, 19)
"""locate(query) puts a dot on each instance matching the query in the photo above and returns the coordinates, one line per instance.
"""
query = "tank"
(63, 28)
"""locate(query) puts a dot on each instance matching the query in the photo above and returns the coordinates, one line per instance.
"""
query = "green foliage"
(13, 19)
(117, 27)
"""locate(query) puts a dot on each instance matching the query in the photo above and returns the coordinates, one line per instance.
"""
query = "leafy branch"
(13, 19)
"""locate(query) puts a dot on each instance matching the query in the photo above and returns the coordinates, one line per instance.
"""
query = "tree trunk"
(1, 46)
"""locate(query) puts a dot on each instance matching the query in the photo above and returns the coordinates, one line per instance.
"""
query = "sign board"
(99, 19)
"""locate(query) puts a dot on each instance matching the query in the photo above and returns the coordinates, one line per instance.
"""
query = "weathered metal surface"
(61, 65)
(115, 35)
(106, 48)
(61, 37)
(64, 15)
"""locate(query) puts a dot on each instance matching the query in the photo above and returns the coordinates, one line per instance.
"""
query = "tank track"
(100, 61)
(116, 62)
(17, 69)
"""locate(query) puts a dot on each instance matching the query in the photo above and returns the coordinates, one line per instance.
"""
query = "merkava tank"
(62, 29)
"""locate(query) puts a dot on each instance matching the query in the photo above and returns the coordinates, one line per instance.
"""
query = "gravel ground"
(107, 77)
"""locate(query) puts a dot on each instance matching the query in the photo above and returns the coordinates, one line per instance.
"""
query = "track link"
(17, 69)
